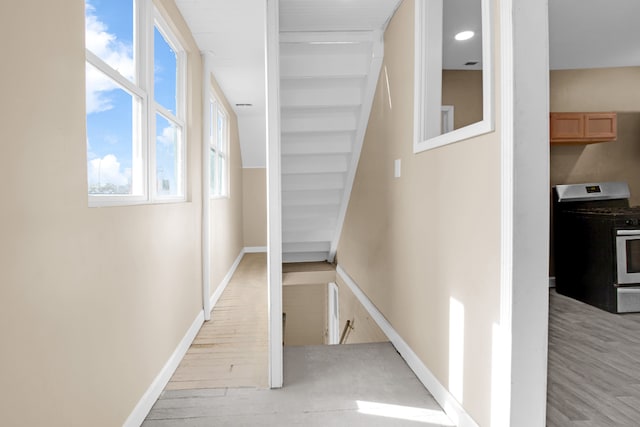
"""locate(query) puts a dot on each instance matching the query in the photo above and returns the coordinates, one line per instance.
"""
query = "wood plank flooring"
(231, 350)
(594, 366)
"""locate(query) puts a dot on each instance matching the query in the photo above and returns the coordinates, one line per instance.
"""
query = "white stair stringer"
(328, 81)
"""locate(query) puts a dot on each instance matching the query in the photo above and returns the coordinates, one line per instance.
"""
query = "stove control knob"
(630, 222)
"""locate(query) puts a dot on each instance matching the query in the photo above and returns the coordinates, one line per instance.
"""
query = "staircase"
(328, 80)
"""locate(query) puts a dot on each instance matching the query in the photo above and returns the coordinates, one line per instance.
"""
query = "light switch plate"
(397, 170)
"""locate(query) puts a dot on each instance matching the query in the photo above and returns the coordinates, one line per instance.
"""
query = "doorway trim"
(520, 338)
(274, 196)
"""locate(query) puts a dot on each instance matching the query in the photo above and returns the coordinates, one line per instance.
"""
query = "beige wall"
(463, 90)
(363, 328)
(254, 181)
(601, 89)
(429, 240)
(598, 89)
(227, 239)
(93, 301)
(306, 309)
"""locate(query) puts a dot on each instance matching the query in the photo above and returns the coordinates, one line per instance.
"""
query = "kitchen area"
(594, 352)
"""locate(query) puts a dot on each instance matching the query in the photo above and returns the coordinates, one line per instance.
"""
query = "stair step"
(306, 246)
(308, 198)
(307, 236)
(317, 143)
(308, 225)
(319, 120)
(306, 182)
(324, 66)
(318, 92)
(346, 45)
(302, 256)
(326, 163)
(309, 212)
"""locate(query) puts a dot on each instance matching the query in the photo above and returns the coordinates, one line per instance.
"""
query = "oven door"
(628, 256)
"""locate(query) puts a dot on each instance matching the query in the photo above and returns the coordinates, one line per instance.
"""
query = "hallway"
(231, 349)
(222, 379)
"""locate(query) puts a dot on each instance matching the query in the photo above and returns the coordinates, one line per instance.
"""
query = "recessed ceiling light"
(464, 35)
(244, 105)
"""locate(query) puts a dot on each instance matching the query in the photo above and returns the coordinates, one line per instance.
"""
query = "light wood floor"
(231, 350)
(594, 366)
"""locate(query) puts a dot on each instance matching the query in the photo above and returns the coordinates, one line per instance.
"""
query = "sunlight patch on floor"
(408, 413)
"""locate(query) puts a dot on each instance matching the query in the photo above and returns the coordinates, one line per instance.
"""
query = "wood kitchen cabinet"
(582, 128)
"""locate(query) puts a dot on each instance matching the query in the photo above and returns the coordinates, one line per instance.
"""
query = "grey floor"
(594, 366)
(347, 385)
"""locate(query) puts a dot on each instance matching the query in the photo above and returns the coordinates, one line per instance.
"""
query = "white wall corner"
(449, 404)
(149, 398)
(524, 78)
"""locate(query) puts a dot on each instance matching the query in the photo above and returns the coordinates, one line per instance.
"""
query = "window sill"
(105, 203)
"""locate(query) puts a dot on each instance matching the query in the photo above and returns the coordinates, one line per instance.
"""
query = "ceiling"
(582, 34)
(593, 33)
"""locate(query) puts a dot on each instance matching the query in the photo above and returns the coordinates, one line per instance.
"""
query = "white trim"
(448, 403)
(519, 391)
(147, 17)
(99, 64)
(225, 281)
(206, 190)
(152, 394)
(333, 314)
(446, 114)
(255, 249)
(363, 121)
(274, 195)
(428, 78)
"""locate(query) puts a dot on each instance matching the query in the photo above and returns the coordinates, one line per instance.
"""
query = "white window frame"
(147, 17)
(219, 190)
(428, 78)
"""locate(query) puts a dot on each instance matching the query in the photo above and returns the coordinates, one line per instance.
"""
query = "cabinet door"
(567, 126)
(600, 126)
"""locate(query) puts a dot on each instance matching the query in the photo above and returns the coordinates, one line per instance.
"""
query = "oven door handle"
(628, 232)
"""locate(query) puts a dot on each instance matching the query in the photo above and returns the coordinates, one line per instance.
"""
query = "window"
(438, 54)
(135, 104)
(218, 149)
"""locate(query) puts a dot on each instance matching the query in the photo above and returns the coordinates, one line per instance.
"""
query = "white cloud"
(107, 170)
(168, 136)
(114, 52)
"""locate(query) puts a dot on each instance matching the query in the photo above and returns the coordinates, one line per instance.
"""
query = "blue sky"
(109, 34)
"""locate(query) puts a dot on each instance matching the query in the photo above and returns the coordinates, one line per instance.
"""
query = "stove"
(597, 245)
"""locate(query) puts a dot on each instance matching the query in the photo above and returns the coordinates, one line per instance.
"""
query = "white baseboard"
(255, 249)
(149, 398)
(552, 282)
(450, 405)
(225, 281)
